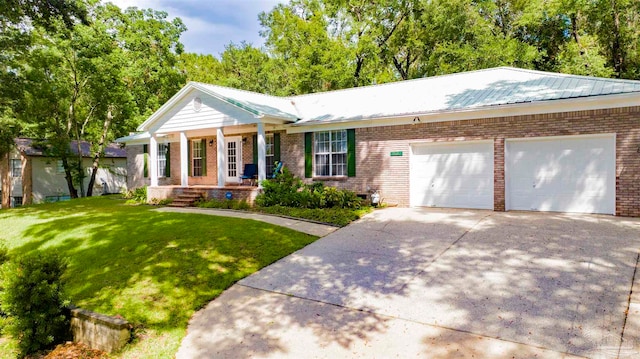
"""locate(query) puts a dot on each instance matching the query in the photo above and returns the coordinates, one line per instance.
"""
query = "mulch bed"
(75, 351)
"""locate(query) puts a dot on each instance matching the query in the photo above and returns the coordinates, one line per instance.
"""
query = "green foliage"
(4, 254)
(336, 216)
(33, 298)
(94, 81)
(225, 204)
(289, 191)
(160, 202)
(154, 269)
(136, 195)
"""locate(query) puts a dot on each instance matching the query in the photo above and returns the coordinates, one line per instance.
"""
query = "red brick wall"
(377, 169)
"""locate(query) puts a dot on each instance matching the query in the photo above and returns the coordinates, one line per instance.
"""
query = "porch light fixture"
(210, 143)
(416, 120)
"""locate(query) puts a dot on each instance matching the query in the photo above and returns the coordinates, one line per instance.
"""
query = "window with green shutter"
(330, 153)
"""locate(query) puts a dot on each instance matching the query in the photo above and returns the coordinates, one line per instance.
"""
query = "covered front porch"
(205, 137)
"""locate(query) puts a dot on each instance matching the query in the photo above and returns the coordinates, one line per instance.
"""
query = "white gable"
(212, 113)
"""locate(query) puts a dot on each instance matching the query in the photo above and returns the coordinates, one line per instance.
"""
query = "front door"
(233, 147)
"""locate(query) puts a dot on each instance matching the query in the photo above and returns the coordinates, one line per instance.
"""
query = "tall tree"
(95, 82)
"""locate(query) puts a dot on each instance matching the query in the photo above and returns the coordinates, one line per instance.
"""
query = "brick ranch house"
(500, 139)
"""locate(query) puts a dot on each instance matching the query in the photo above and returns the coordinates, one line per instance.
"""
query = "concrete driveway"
(436, 283)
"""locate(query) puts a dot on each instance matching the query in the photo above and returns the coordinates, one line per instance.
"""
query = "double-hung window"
(196, 157)
(163, 148)
(270, 152)
(16, 168)
(330, 151)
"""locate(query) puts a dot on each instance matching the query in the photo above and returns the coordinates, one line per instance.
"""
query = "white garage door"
(562, 174)
(458, 175)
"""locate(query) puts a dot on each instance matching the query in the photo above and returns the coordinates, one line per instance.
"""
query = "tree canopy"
(80, 70)
(86, 79)
(320, 45)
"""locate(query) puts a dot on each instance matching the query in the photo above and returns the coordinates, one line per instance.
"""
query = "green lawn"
(154, 269)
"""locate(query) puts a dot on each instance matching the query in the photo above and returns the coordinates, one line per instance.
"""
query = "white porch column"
(153, 160)
(184, 160)
(222, 166)
(262, 154)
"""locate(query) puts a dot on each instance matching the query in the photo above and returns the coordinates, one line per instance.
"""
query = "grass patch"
(154, 269)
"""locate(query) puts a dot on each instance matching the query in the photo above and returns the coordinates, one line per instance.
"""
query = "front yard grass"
(154, 269)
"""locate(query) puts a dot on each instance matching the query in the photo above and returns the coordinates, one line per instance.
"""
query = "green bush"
(288, 191)
(136, 195)
(282, 190)
(33, 299)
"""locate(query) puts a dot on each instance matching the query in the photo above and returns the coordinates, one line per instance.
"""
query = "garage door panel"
(452, 175)
(565, 174)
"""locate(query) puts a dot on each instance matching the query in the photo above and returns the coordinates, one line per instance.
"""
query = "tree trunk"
(616, 46)
(80, 169)
(73, 193)
(4, 172)
(96, 156)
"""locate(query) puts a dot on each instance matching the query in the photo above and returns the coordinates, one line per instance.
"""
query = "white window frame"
(196, 154)
(270, 150)
(16, 170)
(333, 145)
(163, 148)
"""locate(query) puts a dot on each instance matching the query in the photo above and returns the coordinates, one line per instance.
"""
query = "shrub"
(33, 300)
(282, 190)
(136, 195)
(160, 202)
(288, 191)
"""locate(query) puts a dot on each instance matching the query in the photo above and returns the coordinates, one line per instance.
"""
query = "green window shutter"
(276, 147)
(145, 150)
(203, 143)
(351, 152)
(189, 156)
(308, 154)
(255, 149)
(167, 169)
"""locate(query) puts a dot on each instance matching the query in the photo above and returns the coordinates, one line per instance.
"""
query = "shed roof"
(31, 147)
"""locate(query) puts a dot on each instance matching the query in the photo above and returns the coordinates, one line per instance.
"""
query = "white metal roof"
(456, 92)
(490, 89)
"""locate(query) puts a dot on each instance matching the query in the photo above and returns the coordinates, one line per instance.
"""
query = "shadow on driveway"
(435, 283)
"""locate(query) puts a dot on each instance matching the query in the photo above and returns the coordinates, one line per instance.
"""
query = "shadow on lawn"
(551, 281)
(152, 268)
